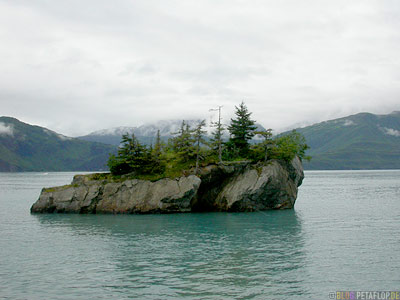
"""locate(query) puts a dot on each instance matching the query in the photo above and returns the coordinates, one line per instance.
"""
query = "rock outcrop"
(236, 187)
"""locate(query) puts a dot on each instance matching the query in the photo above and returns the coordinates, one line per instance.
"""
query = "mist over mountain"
(147, 133)
(25, 147)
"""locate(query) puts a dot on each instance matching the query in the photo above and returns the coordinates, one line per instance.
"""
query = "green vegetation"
(290, 145)
(34, 148)
(59, 188)
(134, 157)
(361, 141)
(187, 150)
(241, 130)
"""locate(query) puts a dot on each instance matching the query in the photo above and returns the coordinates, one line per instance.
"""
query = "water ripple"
(342, 235)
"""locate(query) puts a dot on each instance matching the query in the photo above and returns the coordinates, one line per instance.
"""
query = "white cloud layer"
(79, 66)
(6, 129)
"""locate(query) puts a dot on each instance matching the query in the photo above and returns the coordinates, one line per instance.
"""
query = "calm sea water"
(344, 234)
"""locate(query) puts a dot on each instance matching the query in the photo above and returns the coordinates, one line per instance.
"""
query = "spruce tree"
(266, 143)
(216, 140)
(183, 143)
(241, 130)
(130, 158)
(198, 135)
(133, 157)
(177, 140)
(158, 146)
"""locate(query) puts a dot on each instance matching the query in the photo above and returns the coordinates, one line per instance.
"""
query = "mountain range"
(25, 147)
(360, 141)
(147, 133)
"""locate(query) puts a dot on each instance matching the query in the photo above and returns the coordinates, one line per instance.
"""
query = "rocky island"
(190, 174)
(236, 187)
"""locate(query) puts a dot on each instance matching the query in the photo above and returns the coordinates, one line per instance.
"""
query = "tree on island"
(157, 146)
(241, 130)
(133, 157)
(266, 143)
(216, 139)
(198, 136)
(290, 145)
(183, 143)
(188, 149)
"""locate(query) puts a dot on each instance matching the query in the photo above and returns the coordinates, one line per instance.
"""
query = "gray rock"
(129, 196)
(235, 187)
(262, 187)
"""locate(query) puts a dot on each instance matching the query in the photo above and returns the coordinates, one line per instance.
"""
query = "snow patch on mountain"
(167, 129)
(114, 131)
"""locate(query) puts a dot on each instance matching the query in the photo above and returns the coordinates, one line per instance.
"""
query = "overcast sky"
(79, 66)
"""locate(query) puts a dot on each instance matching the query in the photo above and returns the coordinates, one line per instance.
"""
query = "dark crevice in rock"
(91, 208)
(213, 179)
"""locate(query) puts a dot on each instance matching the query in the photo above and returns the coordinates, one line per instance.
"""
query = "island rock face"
(237, 187)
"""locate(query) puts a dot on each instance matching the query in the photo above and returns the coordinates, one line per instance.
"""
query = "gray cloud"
(77, 67)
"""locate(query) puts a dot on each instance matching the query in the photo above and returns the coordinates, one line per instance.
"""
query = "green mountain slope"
(24, 147)
(361, 141)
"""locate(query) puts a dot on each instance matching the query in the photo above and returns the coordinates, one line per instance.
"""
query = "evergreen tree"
(216, 140)
(198, 135)
(183, 143)
(241, 130)
(129, 157)
(290, 145)
(266, 143)
(133, 157)
(177, 140)
(158, 145)
(185, 149)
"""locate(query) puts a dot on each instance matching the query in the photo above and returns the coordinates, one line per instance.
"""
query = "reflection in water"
(243, 255)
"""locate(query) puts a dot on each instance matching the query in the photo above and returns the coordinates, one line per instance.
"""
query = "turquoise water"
(344, 234)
